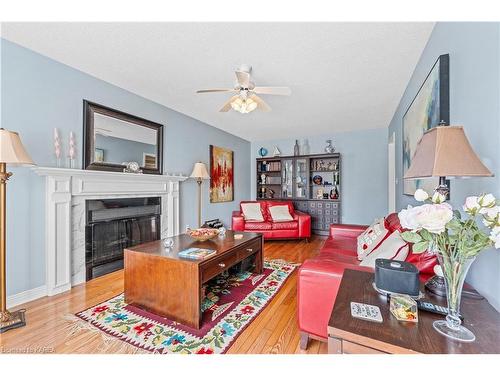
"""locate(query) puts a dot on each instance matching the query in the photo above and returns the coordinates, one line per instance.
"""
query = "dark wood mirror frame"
(89, 109)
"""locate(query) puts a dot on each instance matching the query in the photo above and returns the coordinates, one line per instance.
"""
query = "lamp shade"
(445, 151)
(12, 150)
(200, 171)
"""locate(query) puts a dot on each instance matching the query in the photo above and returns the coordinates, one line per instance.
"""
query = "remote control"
(436, 309)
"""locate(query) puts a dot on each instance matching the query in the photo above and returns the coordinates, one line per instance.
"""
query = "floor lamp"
(11, 152)
(199, 174)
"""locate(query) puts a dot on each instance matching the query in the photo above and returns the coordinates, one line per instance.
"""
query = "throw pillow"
(252, 212)
(280, 213)
(393, 247)
(371, 238)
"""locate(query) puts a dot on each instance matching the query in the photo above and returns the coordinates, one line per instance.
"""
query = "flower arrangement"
(456, 240)
(437, 223)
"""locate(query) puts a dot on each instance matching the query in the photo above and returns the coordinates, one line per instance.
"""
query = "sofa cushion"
(252, 211)
(255, 225)
(280, 213)
(371, 238)
(285, 225)
(393, 247)
(340, 245)
(270, 204)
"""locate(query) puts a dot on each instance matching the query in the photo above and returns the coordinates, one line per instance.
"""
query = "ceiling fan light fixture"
(244, 105)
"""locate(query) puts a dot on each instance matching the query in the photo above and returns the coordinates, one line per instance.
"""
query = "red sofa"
(299, 227)
(319, 277)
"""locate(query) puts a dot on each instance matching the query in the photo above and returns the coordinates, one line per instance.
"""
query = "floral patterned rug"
(232, 302)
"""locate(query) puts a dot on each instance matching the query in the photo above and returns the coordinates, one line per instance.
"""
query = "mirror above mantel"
(114, 139)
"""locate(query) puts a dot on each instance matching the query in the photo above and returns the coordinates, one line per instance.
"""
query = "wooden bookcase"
(312, 182)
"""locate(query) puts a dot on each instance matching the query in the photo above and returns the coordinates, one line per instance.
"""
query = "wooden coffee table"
(349, 335)
(158, 280)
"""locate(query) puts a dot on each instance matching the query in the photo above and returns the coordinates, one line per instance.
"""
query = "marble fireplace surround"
(66, 191)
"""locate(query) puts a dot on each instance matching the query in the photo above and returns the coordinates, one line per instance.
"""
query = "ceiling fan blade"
(243, 78)
(272, 90)
(262, 105)
(214, 90)
(227, 105)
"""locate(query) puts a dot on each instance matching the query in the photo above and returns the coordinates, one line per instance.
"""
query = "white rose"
(421, 195)
(471, 205)
(434, 217)
(491, 213)
(487, 200)
(407, 217)
(438, 198)
(495, 236)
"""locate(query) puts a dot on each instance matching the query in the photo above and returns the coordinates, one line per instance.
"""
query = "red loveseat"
(319, 277)
(299, 227)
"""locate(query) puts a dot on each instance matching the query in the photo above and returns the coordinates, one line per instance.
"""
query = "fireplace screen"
(115, 224)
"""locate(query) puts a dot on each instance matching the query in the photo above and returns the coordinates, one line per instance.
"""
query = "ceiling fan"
(246, 100)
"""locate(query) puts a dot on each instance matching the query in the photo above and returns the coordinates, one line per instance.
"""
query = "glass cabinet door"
(301, 183)
(287, 178)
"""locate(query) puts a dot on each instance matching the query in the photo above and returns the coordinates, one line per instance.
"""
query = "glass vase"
(455, 269)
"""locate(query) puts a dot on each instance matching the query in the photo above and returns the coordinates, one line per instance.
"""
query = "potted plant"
(456, 240)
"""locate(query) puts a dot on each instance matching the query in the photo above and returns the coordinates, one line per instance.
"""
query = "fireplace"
(115, 224)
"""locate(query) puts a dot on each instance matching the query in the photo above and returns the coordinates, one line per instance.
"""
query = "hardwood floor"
(274, 330)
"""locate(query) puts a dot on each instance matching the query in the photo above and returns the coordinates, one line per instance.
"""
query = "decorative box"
(404, 308)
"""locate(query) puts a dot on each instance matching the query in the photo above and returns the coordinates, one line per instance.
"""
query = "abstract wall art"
(221, 175)
(430, 107)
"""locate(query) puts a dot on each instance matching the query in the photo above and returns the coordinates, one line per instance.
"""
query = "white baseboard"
(26, 296)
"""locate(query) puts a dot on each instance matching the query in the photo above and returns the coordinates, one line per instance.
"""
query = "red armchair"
(319, 277)
(298, 228)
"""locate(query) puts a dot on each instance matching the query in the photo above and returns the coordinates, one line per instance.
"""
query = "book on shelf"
(197, 253)
(271, 166)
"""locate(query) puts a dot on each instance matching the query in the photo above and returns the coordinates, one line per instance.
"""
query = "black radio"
(394, 276)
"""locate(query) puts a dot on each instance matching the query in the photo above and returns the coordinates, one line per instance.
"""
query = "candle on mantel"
(57, 147)
(72, 149)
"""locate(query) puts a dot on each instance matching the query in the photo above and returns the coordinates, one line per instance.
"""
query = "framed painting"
(221, 175)
(430, 107)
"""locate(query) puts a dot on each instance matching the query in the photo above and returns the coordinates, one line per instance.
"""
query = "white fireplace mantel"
(65, 193)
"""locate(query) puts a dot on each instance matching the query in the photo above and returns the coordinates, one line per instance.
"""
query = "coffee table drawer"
(249, 249)
(212, 269)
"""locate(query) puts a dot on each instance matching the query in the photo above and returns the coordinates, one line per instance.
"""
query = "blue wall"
(474, 50)
(363, 174)
(39, 94)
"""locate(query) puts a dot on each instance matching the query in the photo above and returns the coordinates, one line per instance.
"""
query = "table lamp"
(444, 151)
(199, 174)
(11, 152)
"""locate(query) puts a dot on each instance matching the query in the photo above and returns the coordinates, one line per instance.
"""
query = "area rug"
(232, 302)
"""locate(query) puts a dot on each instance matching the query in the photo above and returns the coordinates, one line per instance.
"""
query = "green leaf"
(457, 214)
(454, 224)
(425, 235)
(420, 247)
(411, 237)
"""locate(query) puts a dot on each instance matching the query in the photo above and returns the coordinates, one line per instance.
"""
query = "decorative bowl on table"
(202, 234)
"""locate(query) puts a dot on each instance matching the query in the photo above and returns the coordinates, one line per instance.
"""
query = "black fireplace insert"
(115, 224)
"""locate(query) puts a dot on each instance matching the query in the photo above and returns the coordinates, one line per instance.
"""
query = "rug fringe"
(109, 343)
(282, 261)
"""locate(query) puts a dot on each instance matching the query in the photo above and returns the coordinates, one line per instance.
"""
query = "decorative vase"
(262, 152)
(329, 149)
(455, 269)
(296, 148)
(305, 149)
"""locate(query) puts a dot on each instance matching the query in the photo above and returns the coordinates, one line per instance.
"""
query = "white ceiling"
(343, 76)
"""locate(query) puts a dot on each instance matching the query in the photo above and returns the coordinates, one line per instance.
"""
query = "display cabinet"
(312, 182)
